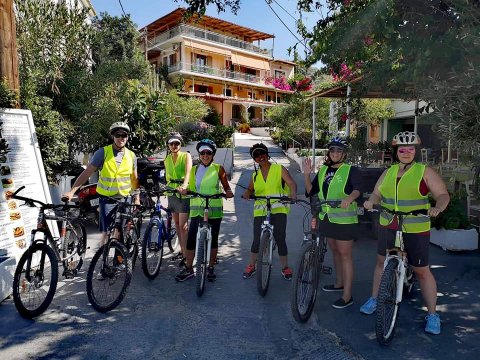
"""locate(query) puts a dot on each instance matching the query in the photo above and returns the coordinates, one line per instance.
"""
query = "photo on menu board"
(5, 170)
(7, 183)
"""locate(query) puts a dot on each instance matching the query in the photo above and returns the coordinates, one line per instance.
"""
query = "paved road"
(162, 319)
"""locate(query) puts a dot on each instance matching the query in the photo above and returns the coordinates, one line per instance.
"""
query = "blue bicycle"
(160, 229)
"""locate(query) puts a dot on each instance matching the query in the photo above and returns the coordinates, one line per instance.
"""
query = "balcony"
(207, 70)
(197, 33)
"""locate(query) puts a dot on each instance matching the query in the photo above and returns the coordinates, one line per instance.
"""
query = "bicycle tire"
(152, 251)
(130, 240)
(264, 264)
(107, 275)
(305, 283)
(75, 241)
(387, 307)
(172, 239)
(201, 264)
(22, 288)
(409, 284)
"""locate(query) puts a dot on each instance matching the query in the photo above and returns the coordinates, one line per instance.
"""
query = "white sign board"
(21, 166)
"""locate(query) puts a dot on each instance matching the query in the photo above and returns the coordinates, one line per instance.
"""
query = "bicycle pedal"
(327, 270)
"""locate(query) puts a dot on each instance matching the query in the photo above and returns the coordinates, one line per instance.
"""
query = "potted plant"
(451, 230)
(243, 128)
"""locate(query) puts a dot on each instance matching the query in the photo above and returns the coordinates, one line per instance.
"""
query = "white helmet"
(406, 138)
(119, 125)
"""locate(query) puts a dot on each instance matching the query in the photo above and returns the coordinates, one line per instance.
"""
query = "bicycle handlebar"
(380, 208)
(31, 202)
(213, 196)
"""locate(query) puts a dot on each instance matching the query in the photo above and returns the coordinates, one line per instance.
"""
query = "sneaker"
(340, 303)
(331, 288)
(369, 307)
(211, 276)
(177, 256)
(183, 262)
(249, 271)
(433, 324)
(185, 274)
(287, 273)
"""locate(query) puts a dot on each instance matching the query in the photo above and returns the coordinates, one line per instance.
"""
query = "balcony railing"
(207, 70)
(210, 36)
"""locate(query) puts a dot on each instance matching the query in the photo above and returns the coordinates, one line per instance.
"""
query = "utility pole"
(8, 45)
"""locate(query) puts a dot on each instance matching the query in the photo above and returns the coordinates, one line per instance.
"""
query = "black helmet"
(339, 142)
(258, 147)
(119, 125)
(175, 136)
(207, 143)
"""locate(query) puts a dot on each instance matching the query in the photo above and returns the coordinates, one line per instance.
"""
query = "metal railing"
(208, 70)
(198, 33)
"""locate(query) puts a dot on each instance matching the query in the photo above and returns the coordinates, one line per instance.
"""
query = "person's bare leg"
(183, 233)
(284, 261)
(377, 275)
(429, 287)
(344, 249)
(337, 262)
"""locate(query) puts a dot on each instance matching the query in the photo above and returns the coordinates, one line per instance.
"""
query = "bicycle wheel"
(74, 247)
(201, 263)
(109, 277)
(33, 290)
(152, 251)
(264, 263)
(409, 284)
(387, 307)
(130, 239)
(172, 240)
(305, 283)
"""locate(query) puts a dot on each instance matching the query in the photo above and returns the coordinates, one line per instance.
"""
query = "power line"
(276, 2)
(120, 2)
(291, 32)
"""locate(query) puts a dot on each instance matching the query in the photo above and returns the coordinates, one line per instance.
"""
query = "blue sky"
(254, 14)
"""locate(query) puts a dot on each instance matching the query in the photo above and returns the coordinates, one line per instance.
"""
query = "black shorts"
(338, 231)
(177, 205)
(415, 245)
(193, 228)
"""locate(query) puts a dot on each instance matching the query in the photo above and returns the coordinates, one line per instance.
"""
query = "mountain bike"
(267, 242)
(397, 278)
(36, 274)
(160, 230)
(110, 270)
(204, 243)
(310, 266)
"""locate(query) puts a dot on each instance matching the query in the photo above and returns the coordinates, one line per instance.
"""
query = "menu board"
(21, 166)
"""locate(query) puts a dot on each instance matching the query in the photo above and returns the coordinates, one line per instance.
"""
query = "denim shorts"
(106, 216)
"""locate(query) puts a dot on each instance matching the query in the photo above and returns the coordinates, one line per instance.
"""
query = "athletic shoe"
(287, 273)
(185, 274)
(433, 324)
(331, 287)
(249, 271)
(340, 303)
(369, 307)
(183, 262)
(177, 256)
(211, 276)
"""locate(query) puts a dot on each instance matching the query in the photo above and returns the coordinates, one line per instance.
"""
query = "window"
(172, 59)
(268, 98)
(201, 60)
(279, 73)
(227, 92)
(202, 88)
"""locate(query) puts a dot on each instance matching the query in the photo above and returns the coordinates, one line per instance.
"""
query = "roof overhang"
(176, 17)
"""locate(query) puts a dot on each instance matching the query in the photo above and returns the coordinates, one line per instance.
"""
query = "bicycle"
(398, 277)
(309, 267)
(204, 243)
(267, 243)
(159, 230)
(115, 259)
(36, 275)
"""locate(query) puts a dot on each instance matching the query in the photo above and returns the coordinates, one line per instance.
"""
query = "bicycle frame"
(202, 227)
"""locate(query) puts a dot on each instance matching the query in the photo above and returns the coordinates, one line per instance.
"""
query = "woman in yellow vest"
(118, 174)
(205, 178)
(337, 181)
(178, 165)
(269, 179)
(405, 186)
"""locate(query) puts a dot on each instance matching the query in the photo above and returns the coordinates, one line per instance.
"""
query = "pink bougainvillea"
(281, 83)
(368, 40)
(344, 117)
(346, 72)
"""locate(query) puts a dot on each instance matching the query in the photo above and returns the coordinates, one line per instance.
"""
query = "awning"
(208, 48)
(250, 62)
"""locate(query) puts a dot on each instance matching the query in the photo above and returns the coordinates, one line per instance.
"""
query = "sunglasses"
(406, 150)
(174, 143)
(257, 154)
(121, 135)
(206, 152)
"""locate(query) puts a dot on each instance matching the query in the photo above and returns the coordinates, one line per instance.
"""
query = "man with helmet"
(118, 174)
(337, 181)
(269, 179)
(178, 165)
(406, 186)
(205, 178)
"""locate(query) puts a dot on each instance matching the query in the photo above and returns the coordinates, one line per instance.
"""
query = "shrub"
(454, 216)
(221, 135)
(243, 128)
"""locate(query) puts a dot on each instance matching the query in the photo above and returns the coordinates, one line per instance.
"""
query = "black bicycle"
(310, 266)
(110, 271)
(36, 275)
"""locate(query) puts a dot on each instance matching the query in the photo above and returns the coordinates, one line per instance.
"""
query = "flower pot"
(455, 240)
